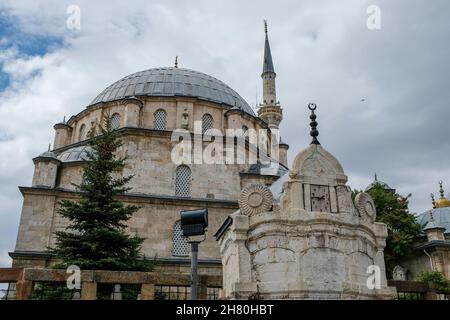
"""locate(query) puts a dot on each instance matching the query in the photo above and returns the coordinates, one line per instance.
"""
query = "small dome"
(377, 182)
(171, 82)
(441, 218)
(318, 166)
(47, 154)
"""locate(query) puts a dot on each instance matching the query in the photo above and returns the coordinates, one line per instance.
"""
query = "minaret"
(270, 110)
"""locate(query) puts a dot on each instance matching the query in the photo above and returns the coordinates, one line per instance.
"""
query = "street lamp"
(194, 223)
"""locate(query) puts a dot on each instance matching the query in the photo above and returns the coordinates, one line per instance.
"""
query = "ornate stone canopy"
(316, 165)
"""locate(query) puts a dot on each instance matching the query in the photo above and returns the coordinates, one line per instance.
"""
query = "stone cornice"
(170, 260)
(434, 244)
(248, 116)
(136, 197)
(159, 133)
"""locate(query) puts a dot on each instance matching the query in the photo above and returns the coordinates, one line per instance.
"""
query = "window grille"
(207, 123)
(172, 292)
(212, 293)
(180, 246)
(183, 181)
(115, 121)
(160, 120)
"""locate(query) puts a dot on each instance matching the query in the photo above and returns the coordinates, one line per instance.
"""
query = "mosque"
(147, 108)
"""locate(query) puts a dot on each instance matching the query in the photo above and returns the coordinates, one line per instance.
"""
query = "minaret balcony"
(270, 109)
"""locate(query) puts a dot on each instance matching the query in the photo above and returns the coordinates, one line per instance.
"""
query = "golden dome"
(442, 202)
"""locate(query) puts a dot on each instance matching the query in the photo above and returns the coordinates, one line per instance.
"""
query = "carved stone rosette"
(254, 199)
(365, 206)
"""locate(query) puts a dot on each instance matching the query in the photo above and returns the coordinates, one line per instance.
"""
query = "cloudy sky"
(383, 95)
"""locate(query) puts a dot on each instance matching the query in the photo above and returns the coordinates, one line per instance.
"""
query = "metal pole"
(194, 262)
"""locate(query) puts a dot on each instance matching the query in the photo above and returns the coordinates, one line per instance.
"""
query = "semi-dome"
(170, 82)
(79, 153)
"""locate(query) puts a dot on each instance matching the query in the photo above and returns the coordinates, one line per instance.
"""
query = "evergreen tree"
(403, 229)
(96, 237)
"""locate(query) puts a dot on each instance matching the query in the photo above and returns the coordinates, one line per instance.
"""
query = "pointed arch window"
(179, 243)
(160, 119)
(207, 123)
(82, 132)
(183, 181)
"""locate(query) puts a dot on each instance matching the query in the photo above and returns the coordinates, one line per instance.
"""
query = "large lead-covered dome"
(169, 82)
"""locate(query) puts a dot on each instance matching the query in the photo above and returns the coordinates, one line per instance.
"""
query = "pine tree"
(96, 238)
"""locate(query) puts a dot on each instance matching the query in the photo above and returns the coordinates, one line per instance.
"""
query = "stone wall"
(36, 222)
(149, 161)
(154, 221)
(420, 262)
(140, 113)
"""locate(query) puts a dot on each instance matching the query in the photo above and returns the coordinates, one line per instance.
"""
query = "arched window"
(82, 132)
(179, 245)
(115, 121)
(160, 120)
(183, 181)
(207, 122)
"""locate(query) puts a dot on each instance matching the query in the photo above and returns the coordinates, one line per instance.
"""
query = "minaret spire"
(271, 111)
(268, 63)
